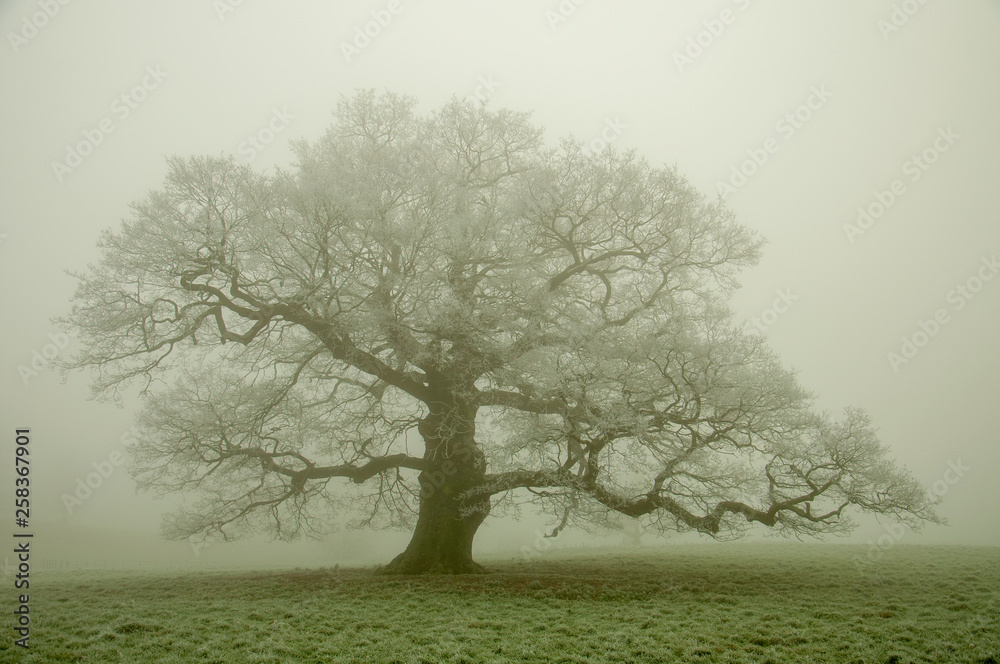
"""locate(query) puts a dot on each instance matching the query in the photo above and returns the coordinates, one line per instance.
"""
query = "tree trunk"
(446, 525)
(442, 539)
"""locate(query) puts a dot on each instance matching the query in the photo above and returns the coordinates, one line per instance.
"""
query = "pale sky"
(834, 99)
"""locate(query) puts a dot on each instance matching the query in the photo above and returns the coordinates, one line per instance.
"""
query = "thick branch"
(654, 501)
(357, 474)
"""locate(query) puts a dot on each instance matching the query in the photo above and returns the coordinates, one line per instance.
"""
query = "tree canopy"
(458, 318)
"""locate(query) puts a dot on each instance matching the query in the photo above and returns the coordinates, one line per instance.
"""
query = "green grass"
(705, 604)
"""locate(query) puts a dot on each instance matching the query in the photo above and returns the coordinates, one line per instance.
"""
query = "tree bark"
(442, 539)
(446, 524)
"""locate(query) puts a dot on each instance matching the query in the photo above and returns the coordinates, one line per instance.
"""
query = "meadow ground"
(733, 603)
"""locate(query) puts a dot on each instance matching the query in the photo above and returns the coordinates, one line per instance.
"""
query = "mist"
(860, 141)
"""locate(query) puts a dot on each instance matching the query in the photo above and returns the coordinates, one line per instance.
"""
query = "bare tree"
(458, 319)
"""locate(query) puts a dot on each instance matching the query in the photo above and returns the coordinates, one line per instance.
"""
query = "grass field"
(701, 603)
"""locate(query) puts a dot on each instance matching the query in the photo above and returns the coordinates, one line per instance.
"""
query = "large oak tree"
(458, 319)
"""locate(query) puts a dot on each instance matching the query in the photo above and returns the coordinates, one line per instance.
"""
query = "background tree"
(458, 319)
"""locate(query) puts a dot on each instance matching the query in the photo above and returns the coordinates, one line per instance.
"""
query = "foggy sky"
(215, 74)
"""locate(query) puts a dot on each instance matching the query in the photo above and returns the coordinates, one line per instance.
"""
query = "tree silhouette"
(458, 319)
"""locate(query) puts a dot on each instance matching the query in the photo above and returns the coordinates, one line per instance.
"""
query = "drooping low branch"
(654, 501)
